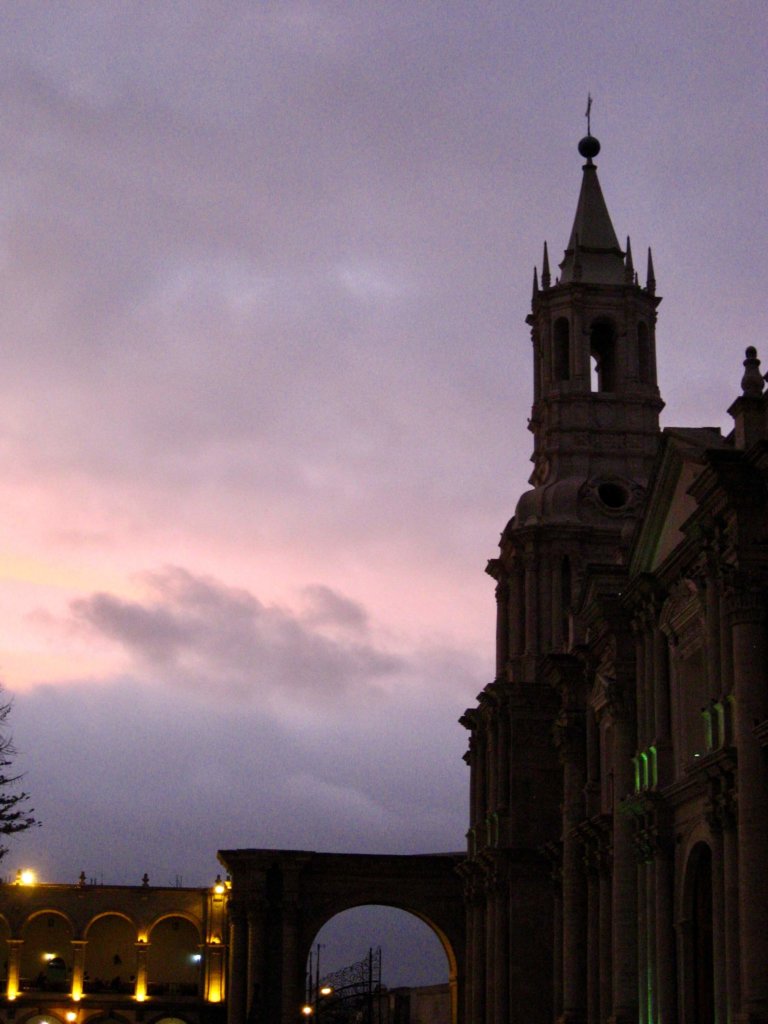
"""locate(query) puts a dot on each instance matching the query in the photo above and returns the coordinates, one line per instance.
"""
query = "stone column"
(491, 760)
(292, 994)
(215, 989)
(649, 688)
(571, 742)
(469, 939)
(662, 706)
(638, 628)
(238, 964)
(713, 661)
(78, 968)
(490, 952)
(750, 664)
(718, 920)
(516, 610)
(558, 967)
(502, 741)
(502, 627)
(606, 936)
(15, 947)
(624, 894)
(532, 569)
(140, 990)
(666, 972)
(732, 942)
(642, 946)
(256, 953)
(477, 1010)
(480, 775)
(501, 950)
(556, 602)
(593, 945)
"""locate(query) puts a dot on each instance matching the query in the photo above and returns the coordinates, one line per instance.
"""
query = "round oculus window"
(613, 495)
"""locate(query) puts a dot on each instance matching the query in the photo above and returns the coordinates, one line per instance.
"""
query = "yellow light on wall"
(141, 990)
(12, 992)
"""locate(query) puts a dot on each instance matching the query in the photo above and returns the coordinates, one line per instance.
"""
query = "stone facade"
(617, 864)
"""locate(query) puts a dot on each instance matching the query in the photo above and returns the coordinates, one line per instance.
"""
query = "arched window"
(602, 348)
(562, 350)
(643, 354)
(699, 952)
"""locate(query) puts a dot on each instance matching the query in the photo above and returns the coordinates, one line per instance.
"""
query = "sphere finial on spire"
(589, 146)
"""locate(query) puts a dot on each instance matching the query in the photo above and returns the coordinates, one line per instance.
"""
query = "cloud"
(197, 634)
(326, 606)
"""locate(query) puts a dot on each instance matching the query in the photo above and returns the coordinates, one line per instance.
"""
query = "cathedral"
(617, 865)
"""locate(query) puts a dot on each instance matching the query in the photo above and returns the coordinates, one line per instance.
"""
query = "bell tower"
(596, 401)
(595, 426)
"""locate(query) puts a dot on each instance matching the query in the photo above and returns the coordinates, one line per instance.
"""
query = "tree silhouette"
(15, 816)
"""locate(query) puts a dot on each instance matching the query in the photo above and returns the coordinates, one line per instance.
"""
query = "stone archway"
(697, 929)
(280, 899)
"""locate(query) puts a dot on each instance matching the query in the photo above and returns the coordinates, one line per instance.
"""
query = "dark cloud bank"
(240, 724)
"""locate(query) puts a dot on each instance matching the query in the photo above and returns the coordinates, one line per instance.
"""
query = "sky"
(265, 379)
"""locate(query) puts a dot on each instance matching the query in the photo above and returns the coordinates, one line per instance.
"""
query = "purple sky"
(265, 380)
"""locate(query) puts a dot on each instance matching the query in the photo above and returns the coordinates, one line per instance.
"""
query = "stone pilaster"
(238, 961)
(747, 609)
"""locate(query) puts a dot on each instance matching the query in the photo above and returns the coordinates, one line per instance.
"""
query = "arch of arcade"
(280, 899)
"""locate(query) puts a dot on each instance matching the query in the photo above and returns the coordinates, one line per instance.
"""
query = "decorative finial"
(535, 283)
(752, 381)
(629, 265)
(545, 274)
(650, 282)
(589, 147)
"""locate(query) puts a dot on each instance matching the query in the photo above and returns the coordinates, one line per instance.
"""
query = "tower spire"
(650, 283)
(629, 265)
(545, 275)
(600, 258)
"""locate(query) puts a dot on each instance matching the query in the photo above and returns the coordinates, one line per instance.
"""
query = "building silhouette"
(617, 864)
(616, 869)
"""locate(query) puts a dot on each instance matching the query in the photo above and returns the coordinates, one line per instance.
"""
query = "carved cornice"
(653, 825)
(596, 838)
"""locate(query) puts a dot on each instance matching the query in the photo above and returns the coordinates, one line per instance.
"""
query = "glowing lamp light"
(71, 1016)
(219, 888)
(326, 990)
(196, 958)
(307, 1010)
(48, 957)
(26, 877)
